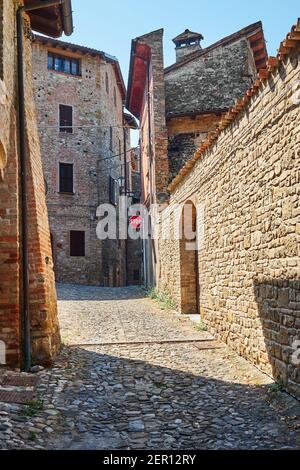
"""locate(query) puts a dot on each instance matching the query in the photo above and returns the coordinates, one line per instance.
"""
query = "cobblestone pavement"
(119, 384)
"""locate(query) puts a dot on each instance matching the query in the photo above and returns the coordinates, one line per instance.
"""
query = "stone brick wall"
(198, 92)
(89, 149)
(211, 82)
(186, 135)
(42, 297)
(246, 189)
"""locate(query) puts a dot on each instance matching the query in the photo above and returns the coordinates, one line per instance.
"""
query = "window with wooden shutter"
(66, 183)
(77, 243)
(65, 118)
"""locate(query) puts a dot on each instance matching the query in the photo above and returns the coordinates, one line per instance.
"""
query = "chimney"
(187, 43)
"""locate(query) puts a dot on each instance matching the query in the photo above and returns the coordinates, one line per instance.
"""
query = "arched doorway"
(189, 275)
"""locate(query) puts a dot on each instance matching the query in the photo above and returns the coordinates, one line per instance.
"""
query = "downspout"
(23, 158)
(126, 202)
(67, 17)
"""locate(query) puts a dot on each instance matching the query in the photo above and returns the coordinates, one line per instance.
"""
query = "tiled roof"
(286, 46)
(254, 32)
(187, 34)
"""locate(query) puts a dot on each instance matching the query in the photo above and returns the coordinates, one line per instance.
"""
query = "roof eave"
(52, 21)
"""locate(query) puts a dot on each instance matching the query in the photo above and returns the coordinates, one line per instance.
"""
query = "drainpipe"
(23, 158)
(126, 203)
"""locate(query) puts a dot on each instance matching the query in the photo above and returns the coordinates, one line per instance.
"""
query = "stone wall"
(42, 296)
(211, 82)
(186, 135)
(199, 91)
(246, 188)
(89, 149)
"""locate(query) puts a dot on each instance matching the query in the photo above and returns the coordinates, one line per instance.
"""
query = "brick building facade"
(180, 105)
(84, 165)
(146, 101)
(28, 316)
(244, 183)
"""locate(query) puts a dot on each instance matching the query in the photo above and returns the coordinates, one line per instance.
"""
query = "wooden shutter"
(77, 243)
(66, 178)
(65, 118)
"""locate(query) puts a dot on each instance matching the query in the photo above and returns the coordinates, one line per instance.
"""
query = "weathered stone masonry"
(187, 102)
(44, 325)
(247, 187)
(95, 148)
(204, 84)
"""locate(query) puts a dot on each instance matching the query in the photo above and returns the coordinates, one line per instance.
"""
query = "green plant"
(201, 326)
(33, 407)
(32, 436)
(277, 386)
(164, 299)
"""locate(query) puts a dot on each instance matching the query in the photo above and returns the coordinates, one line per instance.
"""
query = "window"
(77, 243)
(111, 138)
(113, 191)
(63, 64)
(106, 83)
(66, 178)
(65, 119)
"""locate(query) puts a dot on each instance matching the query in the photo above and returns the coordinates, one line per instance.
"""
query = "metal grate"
(18, 380)
(8, 396)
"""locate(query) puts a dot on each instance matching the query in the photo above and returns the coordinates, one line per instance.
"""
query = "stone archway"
(189, 268)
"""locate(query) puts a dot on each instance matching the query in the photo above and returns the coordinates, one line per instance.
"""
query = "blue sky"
(110, 25)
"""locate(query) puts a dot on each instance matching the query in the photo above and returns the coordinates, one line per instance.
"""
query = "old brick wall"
(154, 150)
(89, 149)
(42, 297)
(155, 166)
(9, 198)
(246, 188)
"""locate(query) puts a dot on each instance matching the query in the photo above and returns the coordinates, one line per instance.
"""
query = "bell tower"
(186, 43)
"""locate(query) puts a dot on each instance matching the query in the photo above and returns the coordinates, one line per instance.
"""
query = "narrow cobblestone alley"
(134, 376)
